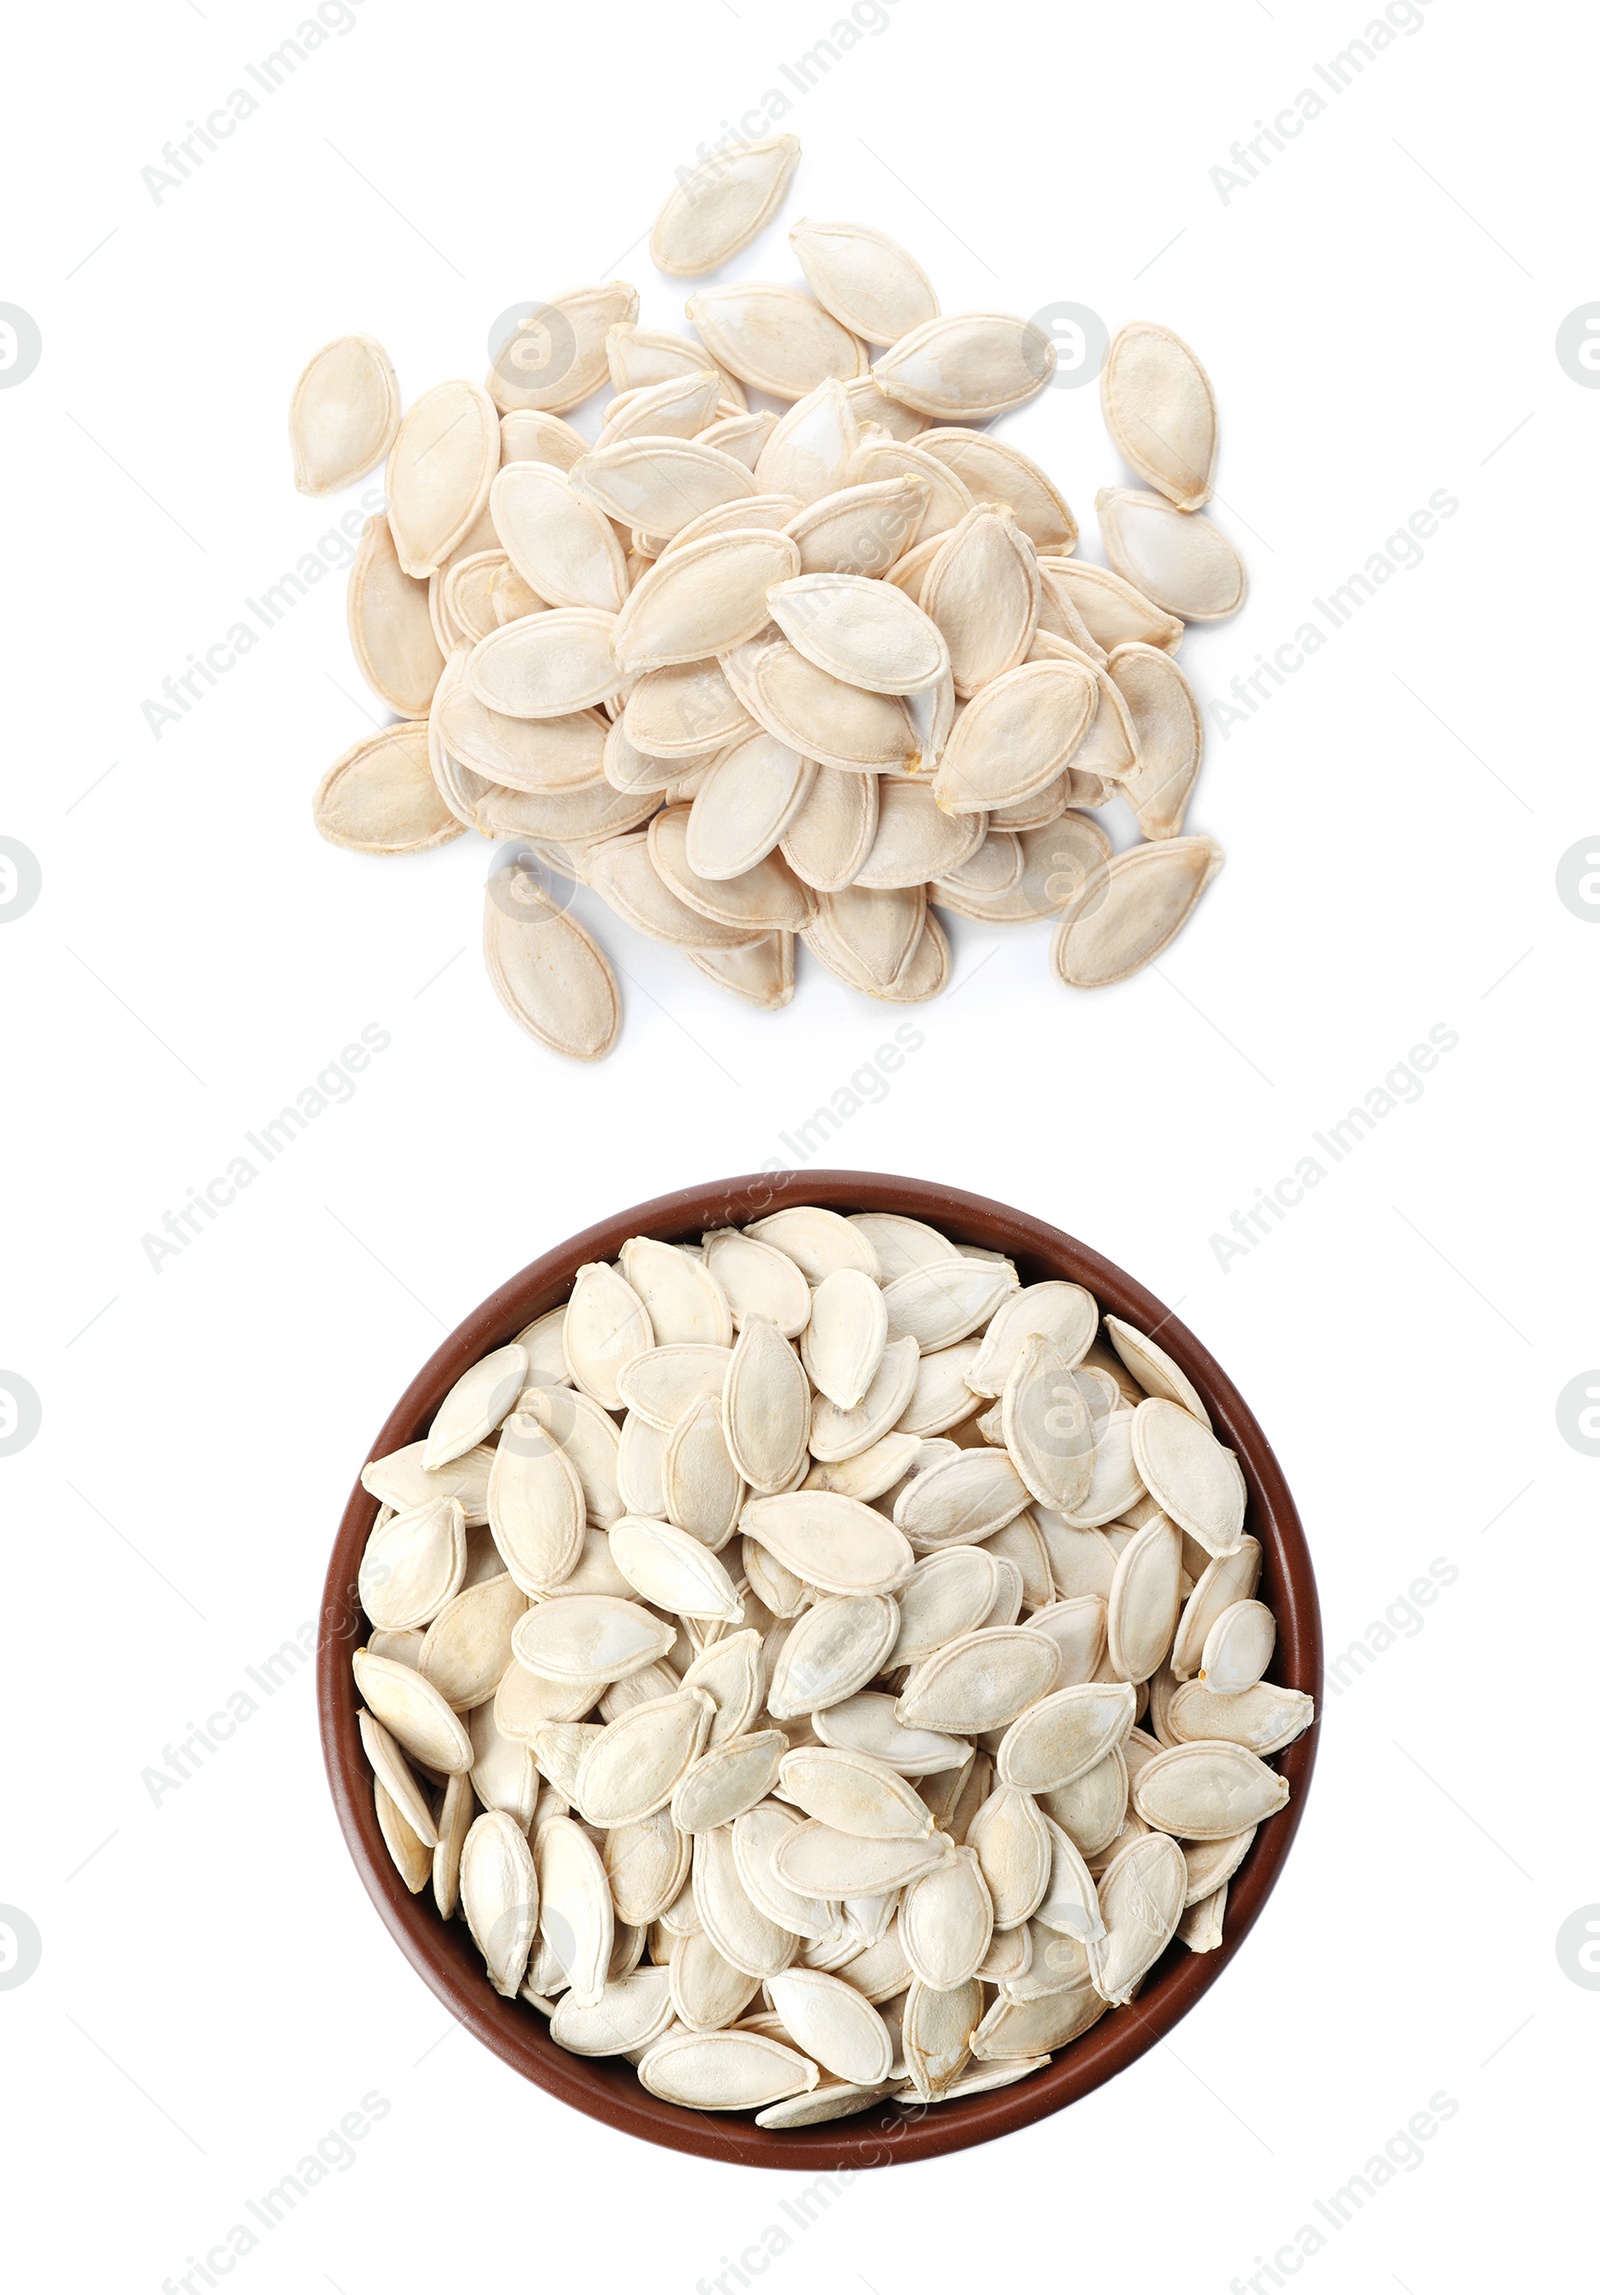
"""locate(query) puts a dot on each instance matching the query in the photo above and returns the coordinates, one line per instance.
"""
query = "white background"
(1378, 312)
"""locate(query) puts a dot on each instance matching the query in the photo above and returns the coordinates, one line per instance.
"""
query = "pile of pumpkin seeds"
(819, 1667)
(795, 648)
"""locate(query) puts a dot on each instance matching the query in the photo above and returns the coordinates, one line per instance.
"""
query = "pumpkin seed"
(1015, 736)
(636, 1763)
(866, 632)
(546, 970)
(1208, 1790)
(981, 1680)
(854, 1792)
(1154, 1369)
(1129, 910)
(967, 368)
(413, 1712)
(381, 797)
(720, 205)
(1001, 476)
(1181, 562)
(441, 464)
(940, 1304)
(1189, 1474)
(960, 1500)
(816, 1861)
(1238, 1648)
(500, 1897)
(391, 630)
(834, 1543)
(1230, 1578)
(833, 1649)
(766, 1406)
(866, 1724)
(1160, 411)
(1142, 1610)
(560, 544)
(707, 598)
(589, 1637)
(467, 1648)
(557, 355)
(1141, 1899)
(1263, 1719)
(938, 2029)
(344, 414)
(1012, 1844)
(1063, 1735)
(576, 1921)
(725, 2071)
(824, 717)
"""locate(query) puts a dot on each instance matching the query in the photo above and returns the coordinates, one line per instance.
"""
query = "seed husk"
(344, 414)
(557, 355)
(1181, 562)
(720, 205)
(1160, 411)
(1129, 909)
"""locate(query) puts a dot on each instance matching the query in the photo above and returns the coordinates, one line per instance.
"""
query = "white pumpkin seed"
(981, 1680)
(833, 1649)
(1263, 1719)
(1001, 476)
(867, 280)
(1160, 411)
(546, 970)
(775, 338)
(865, 632)
(1142, 1609)
(1063, 1735)
(1141, 1899)
(834, 1543)
(589, 1637)
(725, 2071)
(443, 460)
(576, 1921)
(344, 414)
(1189, 1474)
(1208, 1790)
(969, 367)
(720, 205)
(766, 1407)
(557, 355)
(561, 545)
(707, 598)
(413, 1712)
(1180, 561)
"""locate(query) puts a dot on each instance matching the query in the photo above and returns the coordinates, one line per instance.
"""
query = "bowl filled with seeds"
(820, 1670)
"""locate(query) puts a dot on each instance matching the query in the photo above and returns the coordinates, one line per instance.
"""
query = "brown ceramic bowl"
(443, 1952)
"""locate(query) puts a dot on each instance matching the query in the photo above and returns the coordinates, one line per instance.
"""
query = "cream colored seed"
(762, 615)
(704, 1721)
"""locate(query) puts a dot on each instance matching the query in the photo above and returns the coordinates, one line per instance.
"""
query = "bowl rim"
(606, 2088)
